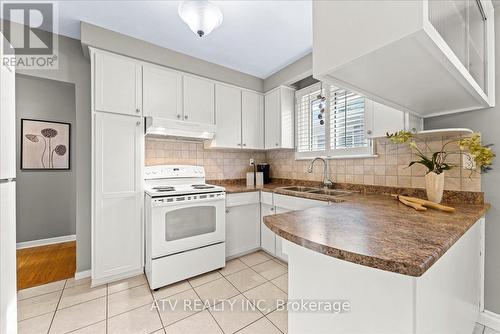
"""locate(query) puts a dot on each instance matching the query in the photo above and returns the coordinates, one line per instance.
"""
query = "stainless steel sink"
(299, 189)
(330, 192)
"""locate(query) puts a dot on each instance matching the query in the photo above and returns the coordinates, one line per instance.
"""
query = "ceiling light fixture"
(201, 16)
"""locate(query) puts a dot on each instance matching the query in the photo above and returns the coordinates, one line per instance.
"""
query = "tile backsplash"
(219, 164)
(389, 168)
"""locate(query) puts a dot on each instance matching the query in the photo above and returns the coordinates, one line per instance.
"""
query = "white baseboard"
(43, 242)
(490, 319)
(82, 274)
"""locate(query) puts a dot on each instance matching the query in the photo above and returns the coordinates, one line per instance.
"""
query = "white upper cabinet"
(427, 57)
(228, 116)
(381, 119)
(252, 120)
(239, 118)
(162, 92)
(117, 84)
(199, 100)
(279, 113)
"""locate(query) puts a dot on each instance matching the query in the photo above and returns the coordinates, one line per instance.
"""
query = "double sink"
(319, 191)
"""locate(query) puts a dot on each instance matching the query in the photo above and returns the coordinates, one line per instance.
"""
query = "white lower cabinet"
(117, 250)
(279, 240)
(267, 237)
(276, 204)
(242, 223)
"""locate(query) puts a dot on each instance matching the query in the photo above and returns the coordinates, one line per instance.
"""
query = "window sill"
(354, 156)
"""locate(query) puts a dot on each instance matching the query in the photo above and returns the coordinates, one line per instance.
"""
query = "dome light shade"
(201, 16)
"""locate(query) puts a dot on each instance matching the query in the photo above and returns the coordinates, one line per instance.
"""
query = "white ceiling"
(256, 37)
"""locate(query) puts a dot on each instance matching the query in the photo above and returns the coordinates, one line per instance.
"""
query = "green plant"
(470, 147)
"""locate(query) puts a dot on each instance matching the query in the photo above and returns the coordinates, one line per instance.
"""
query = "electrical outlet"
(252, 161)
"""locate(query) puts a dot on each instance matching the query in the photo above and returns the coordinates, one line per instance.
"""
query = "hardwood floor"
(45, 264)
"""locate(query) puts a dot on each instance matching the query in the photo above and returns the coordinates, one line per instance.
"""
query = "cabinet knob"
(239, 144)
(227, 210)
(178, 116)
(272, 209)
(137, 110)
(185, 116)
(369, 132)
(276, 144)
(138, 123)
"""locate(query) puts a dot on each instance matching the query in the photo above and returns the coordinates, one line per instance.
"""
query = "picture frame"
(45, 145)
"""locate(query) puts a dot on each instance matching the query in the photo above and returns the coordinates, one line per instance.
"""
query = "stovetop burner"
(202, 186)
(163, 189)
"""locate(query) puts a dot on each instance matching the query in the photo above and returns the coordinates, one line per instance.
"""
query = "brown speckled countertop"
(375, 230)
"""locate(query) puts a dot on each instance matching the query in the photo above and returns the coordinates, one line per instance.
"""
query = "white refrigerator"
(8, 295)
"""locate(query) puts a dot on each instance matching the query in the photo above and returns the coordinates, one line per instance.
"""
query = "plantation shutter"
(310, 133)
(347, 119)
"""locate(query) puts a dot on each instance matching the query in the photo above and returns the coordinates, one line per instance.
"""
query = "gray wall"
(487, 122)
(46, 200)
(74, 68)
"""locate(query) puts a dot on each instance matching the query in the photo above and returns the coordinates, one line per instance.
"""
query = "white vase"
(434, 185)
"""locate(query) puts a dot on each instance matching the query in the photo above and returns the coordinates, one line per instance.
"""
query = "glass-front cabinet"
(462, 25)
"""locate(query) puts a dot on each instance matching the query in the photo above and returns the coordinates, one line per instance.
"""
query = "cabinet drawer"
(295, 203)
(242, 199)
(266, 198)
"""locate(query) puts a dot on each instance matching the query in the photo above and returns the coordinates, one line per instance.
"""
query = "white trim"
(329, 157)
(117, 277)
(82, 274)
(490, 320)
(43, 242)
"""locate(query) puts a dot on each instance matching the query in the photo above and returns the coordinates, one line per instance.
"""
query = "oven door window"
(190, 222)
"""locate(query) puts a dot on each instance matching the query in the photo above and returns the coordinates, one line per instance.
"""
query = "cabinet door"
(267, 237)
(252, 120)
(279, 240)
(199, 100)
(117, 226)
(162, 93)
(118, 84)
(413, 123)
(272, 120)
(242, 229)
(228, 116)
(382, 119)
(287, 117)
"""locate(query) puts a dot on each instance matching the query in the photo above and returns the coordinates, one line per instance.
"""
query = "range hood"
(160, 127)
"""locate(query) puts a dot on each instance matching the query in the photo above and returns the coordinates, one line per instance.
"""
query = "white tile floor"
(123, 307)
(127, 306)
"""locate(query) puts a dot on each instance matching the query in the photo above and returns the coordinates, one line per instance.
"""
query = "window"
(337, 132)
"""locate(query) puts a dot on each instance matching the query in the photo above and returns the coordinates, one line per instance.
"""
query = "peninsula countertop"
(371, 228)
(377, 231)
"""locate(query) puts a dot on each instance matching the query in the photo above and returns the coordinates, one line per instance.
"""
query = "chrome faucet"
(326, 181)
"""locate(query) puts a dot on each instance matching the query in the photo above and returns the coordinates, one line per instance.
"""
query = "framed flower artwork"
(45, 145)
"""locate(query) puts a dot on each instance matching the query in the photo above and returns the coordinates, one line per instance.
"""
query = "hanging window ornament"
(322, 122)
(320, 116)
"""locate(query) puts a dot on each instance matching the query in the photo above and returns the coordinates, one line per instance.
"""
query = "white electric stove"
(185, 224)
